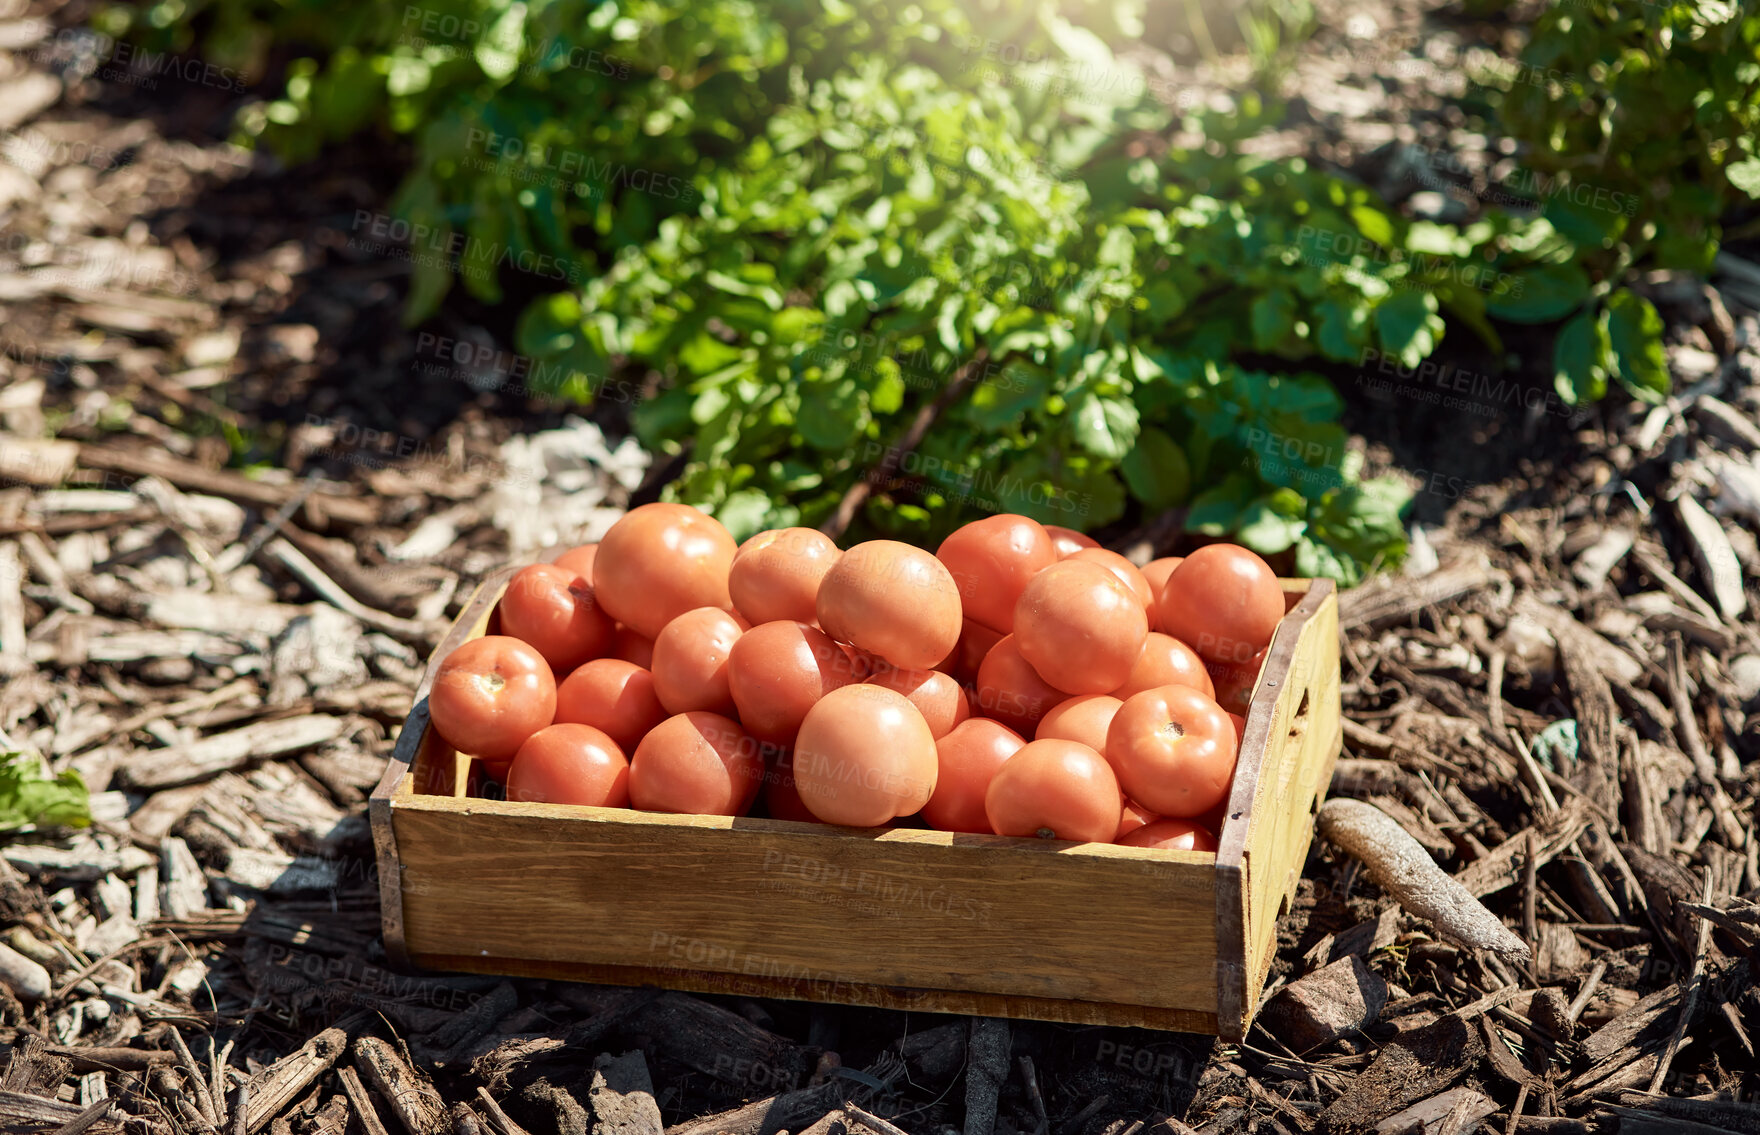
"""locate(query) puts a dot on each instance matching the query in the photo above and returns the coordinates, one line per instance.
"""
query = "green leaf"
(498, 52)
(831, 414)
(1105, 427)
(28, 797)
(1745, 175)
(1634, 332)
(1272, 523)
(1374, 224)
(1580, 358)
(1344, 329)
(1541, 294)
(1273, 318)
(548, 326)
(745, 513)
(1156, 472)
(1408, 326)
(1218, 511)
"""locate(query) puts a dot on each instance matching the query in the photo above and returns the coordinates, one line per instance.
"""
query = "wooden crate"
(900, 918)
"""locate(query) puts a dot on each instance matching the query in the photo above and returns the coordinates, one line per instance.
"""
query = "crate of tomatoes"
(1018, 776)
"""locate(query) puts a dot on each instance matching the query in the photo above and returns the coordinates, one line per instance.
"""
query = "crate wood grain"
(898, 918)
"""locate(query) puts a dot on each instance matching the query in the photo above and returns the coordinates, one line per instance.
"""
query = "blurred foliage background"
(795, 224)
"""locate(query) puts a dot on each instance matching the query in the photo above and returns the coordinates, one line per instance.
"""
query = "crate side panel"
(1305, 739)
(847, 907)
(1092, 1013)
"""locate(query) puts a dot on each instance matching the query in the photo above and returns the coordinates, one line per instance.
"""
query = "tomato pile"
(1021, 681)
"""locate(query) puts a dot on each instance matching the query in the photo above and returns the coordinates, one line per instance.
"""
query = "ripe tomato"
(613, 696)
(776, 574)
(937, 697)
(661, 560)
(1083, 719)
(1068, 541)
(1174, 750)
(1080, 627)
(633, 647)
(690, 660)
(1176, 835)
(1055, 789)
(975, 641)
(1166, 661)
(1011, 691)
(489, 695)
(895, 600)
(781, 798)
(697, 763)
(1157, 571)
(1133, 817)
(991, 561)
(1223, 601)
(777, 671)
(864, 757)
(570, 764)
(1127, 572)
(1240, 728)
(554, 609)
(1212, 820)
(579, 560)
(1235, 682)
(966, 759)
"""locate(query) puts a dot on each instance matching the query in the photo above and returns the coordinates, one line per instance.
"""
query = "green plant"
(28, 797)
(1637, 122)
(805, 222)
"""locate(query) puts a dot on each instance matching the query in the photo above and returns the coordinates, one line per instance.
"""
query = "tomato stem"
(492, 682)
(1045, 833)
(1174, 729)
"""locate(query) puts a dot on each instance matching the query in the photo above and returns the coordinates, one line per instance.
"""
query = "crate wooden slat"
(898, 918)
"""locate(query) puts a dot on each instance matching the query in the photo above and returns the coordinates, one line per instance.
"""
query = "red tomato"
(1166, 661)
(1175, 835)
(966, 759)
(1240, 727)
(1174, 750)
(937, 697)
(777, 671)
(1157, 571)
(1235, 683)
(1080, 627)
(633, 647)
(489, 695)
(554, 609)
(1011, 691)
(690, 660)
(579, 560)
(975, 641)
(1213, 820)
(660, 561)
(894, 600)
(781, 798)
(1068, 541)
(570, 764)
(991, 561)
(864, 757)
(1055, 789)
(1083, 719)
(1127, 572)
(1133, 817)
(1223, 601)
(776, 574)
(614, 696)
(697, 763)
